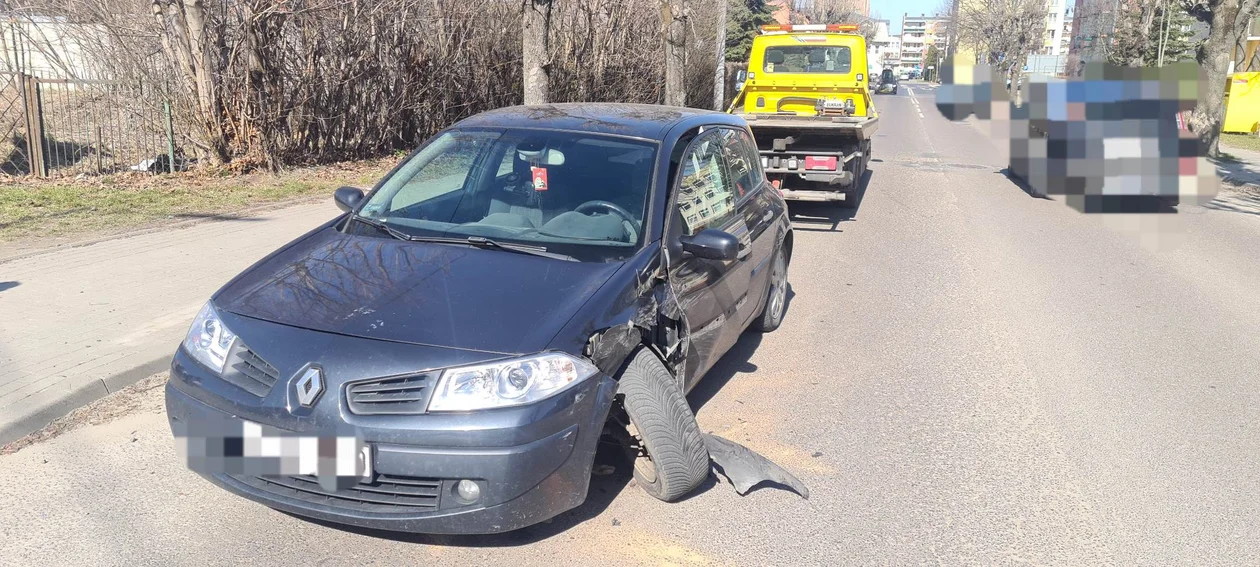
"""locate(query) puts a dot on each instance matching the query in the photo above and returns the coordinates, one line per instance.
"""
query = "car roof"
(649, 121)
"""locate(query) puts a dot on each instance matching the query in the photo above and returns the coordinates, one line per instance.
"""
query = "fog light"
(468, 490)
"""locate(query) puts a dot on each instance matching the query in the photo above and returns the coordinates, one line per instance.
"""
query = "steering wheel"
(592, 206)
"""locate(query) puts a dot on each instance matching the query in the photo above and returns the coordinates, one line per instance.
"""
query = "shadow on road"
(733, 362)
(1019, 182)
(825, 217)
(1237, 171)
(218, 216)
(1244, 203)
(9, 285)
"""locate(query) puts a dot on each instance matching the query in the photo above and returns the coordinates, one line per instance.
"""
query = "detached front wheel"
(673, 459)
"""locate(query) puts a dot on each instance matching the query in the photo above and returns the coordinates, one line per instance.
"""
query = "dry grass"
(60, 207)
(1244, 141)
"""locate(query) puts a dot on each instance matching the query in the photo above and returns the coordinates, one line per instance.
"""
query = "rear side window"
(743, 165)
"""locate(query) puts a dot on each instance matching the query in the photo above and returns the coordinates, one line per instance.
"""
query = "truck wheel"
(676, 460)
(854, 191)
(776, 297)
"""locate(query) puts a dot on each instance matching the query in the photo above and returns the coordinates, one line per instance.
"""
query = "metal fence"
(66, 127)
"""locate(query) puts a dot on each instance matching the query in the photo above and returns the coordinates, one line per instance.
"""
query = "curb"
(82, 396)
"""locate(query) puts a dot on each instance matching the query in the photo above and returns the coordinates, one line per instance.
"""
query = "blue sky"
(892, 10)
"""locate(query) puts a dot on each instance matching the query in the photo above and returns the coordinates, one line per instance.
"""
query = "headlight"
(209, 340)
(508, 383)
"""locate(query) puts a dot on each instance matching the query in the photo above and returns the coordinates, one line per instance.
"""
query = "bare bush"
(271, 83)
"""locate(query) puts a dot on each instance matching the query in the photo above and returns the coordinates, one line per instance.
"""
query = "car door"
(708, 290)
(757, 206)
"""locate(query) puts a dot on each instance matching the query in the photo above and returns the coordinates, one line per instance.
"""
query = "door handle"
(744, 250)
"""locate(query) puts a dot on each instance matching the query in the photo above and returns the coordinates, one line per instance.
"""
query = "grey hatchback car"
(445, 355)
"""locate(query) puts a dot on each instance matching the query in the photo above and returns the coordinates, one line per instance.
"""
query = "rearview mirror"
(711, 244)
(740, 74)
(348, 198)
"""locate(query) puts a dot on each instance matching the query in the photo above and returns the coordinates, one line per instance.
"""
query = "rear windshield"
(888, 76)
(808, 59)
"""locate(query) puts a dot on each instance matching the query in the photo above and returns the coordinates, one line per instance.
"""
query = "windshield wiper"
(483, 242)
(475, 241)
(383, 227)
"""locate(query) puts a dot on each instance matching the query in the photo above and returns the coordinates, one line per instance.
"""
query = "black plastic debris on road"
(745, 468)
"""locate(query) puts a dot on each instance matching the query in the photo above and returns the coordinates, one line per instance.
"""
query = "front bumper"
(532, 462)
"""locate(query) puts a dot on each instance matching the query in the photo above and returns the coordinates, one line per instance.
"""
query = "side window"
(754, 156)
(705, 198)
(743, 163)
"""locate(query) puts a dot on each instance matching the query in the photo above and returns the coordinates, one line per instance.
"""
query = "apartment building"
(884, 49)
(920, 32)
(1057, 37)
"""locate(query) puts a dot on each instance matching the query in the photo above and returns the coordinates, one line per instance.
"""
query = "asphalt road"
(966, 375)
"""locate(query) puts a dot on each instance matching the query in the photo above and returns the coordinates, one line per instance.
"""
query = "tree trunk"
(536, 50)
(719, 71)
(184, 37)
(675, 35)
(1213, 57)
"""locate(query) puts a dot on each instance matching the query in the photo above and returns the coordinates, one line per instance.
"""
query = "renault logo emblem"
(309, 386)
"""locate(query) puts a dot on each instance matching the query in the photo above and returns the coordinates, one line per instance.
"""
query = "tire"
(776, 295)
(677, 460)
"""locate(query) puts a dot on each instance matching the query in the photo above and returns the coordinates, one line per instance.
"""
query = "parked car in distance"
(887, 83)
(466, 332)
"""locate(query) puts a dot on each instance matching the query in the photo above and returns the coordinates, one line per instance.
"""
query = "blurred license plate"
(342, 456)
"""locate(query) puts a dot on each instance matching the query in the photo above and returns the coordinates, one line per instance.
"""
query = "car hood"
(432, 294)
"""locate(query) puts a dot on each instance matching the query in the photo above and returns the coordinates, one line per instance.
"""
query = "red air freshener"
(540, 178)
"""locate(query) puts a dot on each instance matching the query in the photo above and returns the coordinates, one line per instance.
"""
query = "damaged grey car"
(447, 354)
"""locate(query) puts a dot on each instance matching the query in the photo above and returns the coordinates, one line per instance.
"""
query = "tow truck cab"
(791, 67)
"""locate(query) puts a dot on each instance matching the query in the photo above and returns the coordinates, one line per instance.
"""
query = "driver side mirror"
(348, 198)
(711, 244)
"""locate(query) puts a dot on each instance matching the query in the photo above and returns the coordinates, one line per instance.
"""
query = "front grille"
(386, 493)
(401, 395)
(250, 372)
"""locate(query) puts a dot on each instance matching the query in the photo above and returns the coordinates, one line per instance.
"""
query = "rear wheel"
(673, 459)
(853, 193)
(776, 297)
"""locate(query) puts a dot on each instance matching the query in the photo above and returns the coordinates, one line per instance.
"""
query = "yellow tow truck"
(806, 97)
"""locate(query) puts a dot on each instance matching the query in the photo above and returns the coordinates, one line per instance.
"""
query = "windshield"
(808, 59)
(583, 195)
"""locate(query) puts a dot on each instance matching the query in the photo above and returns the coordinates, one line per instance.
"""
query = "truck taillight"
(765, 161)
(827, 163)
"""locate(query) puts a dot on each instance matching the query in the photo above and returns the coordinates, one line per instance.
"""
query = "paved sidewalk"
(78, 323)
